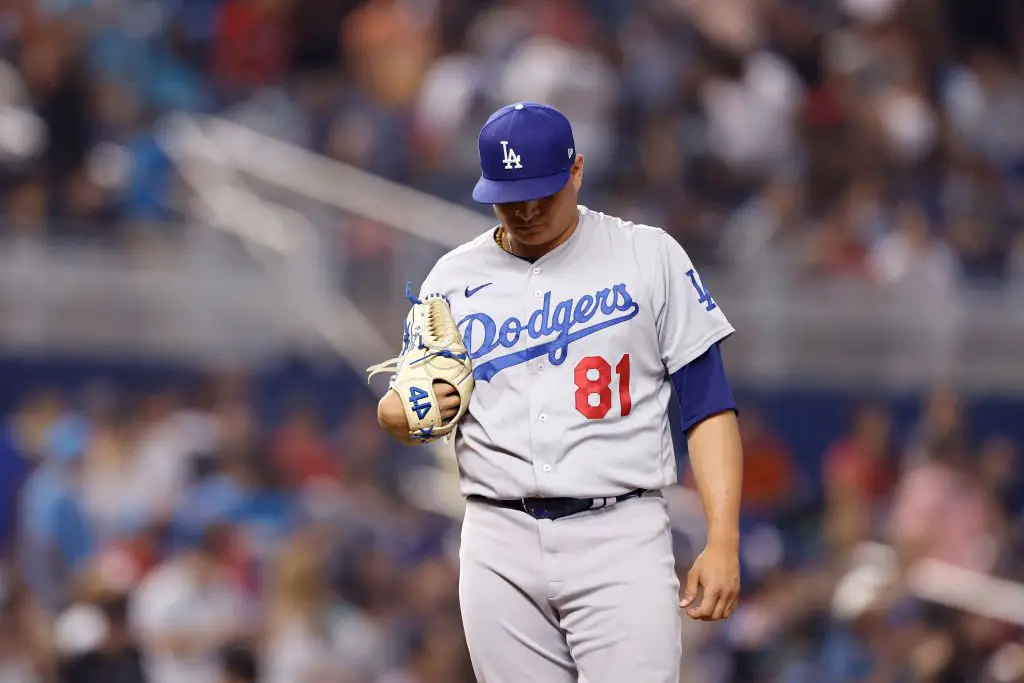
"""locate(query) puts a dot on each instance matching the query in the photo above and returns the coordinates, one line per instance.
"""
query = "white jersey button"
(543, 417)
(536, 293)
(536, 271)
(546, 468)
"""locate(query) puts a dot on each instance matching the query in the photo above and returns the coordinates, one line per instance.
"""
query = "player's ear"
(576, 174)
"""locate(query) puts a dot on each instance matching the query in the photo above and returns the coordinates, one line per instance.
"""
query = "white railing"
(187, 300)
(200, 296)
(841, 333)
(222, 162)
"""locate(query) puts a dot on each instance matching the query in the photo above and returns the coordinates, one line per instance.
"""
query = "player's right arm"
(391, 413)
(391, 418)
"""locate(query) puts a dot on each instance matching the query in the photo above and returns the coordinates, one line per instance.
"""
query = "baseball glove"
(432, 351)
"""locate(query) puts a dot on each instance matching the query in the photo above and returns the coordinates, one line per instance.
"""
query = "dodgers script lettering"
(483, 335)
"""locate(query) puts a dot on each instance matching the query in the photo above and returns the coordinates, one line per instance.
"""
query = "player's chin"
(531, 234)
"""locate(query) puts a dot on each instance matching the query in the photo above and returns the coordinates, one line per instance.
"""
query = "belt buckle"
(531, 508)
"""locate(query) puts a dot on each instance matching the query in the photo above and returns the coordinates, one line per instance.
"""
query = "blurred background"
(210, 209)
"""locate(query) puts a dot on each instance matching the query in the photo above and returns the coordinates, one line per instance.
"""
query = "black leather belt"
(556, 508)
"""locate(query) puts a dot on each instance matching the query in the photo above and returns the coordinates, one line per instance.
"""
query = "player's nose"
(527, 211)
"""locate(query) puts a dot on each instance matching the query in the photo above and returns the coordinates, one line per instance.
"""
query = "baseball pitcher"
(548, 348)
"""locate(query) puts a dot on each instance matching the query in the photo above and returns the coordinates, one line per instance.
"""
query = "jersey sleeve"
(702, 388)
(689, 320)
(431, 283)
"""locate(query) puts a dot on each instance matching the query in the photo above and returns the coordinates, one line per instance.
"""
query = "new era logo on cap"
(523, 154)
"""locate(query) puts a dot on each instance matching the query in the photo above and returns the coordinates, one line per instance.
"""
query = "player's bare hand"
(447, 399)
(391, 416)
(715, 576)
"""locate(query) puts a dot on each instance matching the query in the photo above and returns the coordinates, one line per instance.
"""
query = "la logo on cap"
(511, 159)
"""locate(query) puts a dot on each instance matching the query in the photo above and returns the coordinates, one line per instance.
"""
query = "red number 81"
(586, 387)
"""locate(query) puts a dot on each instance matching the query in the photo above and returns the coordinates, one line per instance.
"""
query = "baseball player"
(556, 339)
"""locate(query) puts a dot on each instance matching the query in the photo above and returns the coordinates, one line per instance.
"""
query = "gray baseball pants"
(592, 596)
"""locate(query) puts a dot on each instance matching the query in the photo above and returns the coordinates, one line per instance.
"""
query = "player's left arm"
(392, 415)
(690, 325)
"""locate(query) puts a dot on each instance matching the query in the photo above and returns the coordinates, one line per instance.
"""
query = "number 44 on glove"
(432, 351)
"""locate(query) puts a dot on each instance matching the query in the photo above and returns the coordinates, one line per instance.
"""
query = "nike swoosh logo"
(470, 292)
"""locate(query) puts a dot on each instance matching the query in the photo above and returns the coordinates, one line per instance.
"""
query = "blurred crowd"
(187, 534)
(871, 139)
(183, 534)
(171, 537)
(834, 579)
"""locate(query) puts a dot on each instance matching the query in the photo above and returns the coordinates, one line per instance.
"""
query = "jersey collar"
(560, 249)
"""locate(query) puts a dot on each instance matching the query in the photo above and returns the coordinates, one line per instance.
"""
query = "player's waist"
(557, 508)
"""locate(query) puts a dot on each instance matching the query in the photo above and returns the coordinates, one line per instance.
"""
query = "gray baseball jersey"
(572, 356)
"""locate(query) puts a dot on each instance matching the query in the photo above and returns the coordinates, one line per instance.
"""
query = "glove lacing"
(435, 329)
(387, 366)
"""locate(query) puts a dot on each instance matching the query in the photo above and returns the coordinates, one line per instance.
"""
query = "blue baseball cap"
(526, 152)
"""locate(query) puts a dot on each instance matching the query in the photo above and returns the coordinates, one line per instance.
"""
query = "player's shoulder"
(468, 249)
(451, 268)
(641, 238)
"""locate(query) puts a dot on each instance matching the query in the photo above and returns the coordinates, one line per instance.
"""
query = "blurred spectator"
(941, 510)
(389, 45)
(367, 617)
(860, 461)
(911, 256)
(116, 658)
(22, 442)
(300, 639)
(123, 563)
(265, 517)
(858, 476)
(771, 483)
(57, 539)
(58, 87)
(25, 208)
(239, 665)
(299, 450)
(999, 468)
(25, 646)
(170, 436)
(111, 481)
(187, 609)
(770, 480)
(941, 430)
(251, 42)
(435, 655)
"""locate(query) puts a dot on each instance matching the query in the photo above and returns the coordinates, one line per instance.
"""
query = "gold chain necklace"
(499, 236)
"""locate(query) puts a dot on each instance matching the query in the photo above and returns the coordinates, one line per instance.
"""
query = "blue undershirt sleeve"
(702, 388)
